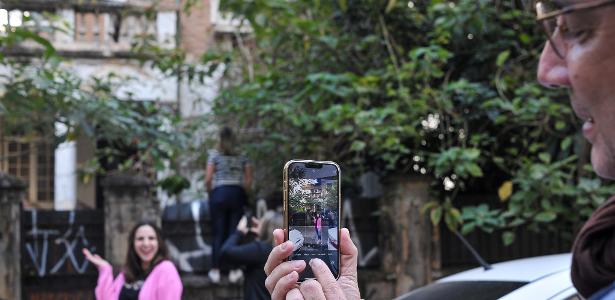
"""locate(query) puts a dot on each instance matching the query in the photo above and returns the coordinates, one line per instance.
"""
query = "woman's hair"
(133, 270)
(271, 220)
(227, 142)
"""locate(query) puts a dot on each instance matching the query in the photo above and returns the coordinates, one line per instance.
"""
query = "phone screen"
(313, 213)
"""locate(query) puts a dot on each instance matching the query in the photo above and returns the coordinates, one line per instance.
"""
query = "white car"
(536, 278)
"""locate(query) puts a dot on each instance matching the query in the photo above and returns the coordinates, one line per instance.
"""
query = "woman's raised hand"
(95, 259)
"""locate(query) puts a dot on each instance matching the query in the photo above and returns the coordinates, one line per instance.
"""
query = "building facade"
(97, 41)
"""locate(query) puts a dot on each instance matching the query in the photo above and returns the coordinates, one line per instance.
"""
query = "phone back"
(312, 212)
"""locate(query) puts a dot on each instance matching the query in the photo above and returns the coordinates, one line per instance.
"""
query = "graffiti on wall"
(50, 249)
(184, 225)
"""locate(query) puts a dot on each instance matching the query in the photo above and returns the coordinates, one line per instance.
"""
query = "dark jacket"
(252, 256)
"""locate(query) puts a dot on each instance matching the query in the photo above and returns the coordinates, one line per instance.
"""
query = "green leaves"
(462, 162)
(132, 136)
(545, 216)
(502, 57)
(508, 237)
(446, 90)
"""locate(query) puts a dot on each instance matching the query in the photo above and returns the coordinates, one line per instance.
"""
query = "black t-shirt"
(130, 291)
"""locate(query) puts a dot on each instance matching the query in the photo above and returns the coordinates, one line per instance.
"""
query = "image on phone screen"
(313, 214)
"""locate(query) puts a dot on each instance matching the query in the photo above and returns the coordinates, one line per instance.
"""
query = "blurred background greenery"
(443, 90)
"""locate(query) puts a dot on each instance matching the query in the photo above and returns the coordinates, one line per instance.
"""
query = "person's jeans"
(225, 210)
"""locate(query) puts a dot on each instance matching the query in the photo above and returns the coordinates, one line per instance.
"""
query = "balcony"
(91, 29)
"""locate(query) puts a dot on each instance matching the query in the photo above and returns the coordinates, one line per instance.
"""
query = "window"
(32, 161)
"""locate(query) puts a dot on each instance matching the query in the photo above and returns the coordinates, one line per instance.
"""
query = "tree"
(442, 89)
(39, 92)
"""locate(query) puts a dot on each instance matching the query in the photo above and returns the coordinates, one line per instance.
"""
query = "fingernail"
(298, 264)
(315, 262)
(286, 245)
(294, 275)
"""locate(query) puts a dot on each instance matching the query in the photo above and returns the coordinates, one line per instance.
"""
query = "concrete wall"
(128, 200)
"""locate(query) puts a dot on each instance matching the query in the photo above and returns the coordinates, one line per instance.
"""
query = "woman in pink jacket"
(147, 273)
(317, 227)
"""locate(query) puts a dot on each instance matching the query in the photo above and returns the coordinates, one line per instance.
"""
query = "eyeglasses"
(548, 11)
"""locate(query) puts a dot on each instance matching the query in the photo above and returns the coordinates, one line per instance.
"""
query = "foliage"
(38, 94)
(435, 88)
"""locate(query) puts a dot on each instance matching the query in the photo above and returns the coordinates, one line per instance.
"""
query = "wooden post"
(12, 192)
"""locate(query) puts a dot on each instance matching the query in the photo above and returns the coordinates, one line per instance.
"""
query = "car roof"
(520, 270)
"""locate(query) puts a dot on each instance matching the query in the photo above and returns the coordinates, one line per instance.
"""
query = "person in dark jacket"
(252, 255)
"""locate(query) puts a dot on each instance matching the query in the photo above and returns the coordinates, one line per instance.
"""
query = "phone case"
(286, 202)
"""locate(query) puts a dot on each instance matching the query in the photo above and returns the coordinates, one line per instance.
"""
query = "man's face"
(588, 70)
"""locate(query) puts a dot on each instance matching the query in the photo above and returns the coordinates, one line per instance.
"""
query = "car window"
(476, 290)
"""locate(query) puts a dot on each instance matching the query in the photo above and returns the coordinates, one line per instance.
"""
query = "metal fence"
(53, 266)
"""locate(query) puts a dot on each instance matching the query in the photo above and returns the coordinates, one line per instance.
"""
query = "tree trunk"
(407, 234)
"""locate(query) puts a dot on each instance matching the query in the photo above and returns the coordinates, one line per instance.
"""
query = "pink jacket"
(163, 283)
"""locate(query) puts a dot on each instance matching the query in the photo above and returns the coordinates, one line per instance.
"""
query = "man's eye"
(572, 32)
(577, 34)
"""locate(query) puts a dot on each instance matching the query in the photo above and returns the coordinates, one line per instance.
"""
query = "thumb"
(278, 236)
(349, 253)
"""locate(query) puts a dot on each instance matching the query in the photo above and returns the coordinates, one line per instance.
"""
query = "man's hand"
(282, 275)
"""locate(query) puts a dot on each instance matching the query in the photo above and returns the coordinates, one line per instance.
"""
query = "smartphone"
(312, 210)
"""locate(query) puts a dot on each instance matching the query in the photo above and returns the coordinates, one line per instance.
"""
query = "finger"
(278, 236)
(88, 255)
(277, 256)
(282, 270)
(284, 285)
(325, 278)
(347, 247)
(294, 294)
(349, 253)
(312, 290)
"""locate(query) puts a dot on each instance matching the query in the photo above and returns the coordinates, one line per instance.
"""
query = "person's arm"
(247, 254)
(209, 176)
(169, 284)
(105, 286)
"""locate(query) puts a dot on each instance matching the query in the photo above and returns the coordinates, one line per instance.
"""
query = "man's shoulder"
(607, 293)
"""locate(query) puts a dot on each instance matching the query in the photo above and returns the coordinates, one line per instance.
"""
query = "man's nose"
(552, 69)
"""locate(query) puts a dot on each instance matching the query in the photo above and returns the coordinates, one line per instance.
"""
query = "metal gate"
(53, 266)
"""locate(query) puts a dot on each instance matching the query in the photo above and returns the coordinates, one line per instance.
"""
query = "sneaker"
(214, 275)
(234, 276)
